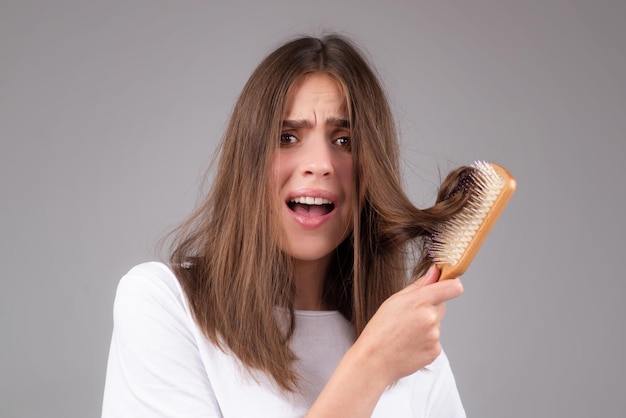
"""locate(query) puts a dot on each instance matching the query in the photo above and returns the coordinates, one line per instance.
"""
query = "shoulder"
(152, 275)
(435, 376)
(148, 290)
(155, 365)
(429, 392)
(438, 385)
(149, 280)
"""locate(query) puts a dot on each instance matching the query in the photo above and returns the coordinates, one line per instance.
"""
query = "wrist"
(373, 365)
(355, 387)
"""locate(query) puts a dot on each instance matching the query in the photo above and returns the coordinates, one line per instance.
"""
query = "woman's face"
(313, 168)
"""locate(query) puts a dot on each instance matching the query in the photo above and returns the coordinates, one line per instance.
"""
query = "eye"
(287, 139)
(343, 142)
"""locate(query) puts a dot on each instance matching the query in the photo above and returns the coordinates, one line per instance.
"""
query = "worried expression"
(313, 168)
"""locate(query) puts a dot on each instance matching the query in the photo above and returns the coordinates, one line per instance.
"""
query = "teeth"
(308, 200)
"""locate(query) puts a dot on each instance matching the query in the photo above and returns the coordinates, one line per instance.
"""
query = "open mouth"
(311, 206)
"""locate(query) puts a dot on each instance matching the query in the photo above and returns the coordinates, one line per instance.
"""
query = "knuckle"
(433, 317)
(442, 309)
(460, 287)
(435, 335)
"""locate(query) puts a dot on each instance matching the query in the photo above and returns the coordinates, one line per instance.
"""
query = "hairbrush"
(455, 242)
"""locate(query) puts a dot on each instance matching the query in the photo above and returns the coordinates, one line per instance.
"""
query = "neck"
(309, 277)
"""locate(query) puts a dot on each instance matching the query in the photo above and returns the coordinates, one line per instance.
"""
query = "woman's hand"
(403, 336)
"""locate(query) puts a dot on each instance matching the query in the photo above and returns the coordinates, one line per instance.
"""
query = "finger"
(443, 291)
(431, 276)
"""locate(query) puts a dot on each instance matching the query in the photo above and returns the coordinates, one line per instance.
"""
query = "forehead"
(317, 92)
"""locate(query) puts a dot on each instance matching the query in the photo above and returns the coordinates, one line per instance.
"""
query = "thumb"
(431, 276)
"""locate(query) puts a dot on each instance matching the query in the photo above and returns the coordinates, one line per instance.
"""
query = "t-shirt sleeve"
(154, 367)
(442, 400)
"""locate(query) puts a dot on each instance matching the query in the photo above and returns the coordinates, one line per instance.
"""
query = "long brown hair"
(227, 255)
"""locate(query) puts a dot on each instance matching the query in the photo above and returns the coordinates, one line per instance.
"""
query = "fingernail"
(432, 270)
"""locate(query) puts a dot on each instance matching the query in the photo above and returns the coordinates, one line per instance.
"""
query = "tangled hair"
(228, 256)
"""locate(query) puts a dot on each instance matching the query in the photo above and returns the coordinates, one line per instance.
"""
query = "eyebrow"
(303, 123)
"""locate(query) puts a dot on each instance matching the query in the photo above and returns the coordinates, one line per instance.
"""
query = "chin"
(310, 253)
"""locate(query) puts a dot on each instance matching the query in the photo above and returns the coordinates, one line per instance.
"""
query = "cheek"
(346, 174)
(279, 171)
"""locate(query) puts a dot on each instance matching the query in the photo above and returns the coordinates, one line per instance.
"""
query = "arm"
(401, 338)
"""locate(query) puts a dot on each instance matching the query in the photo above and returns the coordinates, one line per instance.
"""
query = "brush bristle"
(450, 239)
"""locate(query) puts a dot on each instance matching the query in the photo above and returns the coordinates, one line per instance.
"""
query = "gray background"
(110, 112)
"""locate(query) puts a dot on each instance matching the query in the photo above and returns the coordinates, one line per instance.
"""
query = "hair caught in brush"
(454, 193)
(414, 228)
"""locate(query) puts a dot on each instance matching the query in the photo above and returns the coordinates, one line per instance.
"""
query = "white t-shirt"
(161, 364)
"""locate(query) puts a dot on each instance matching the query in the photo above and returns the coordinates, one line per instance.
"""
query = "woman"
(286, 293)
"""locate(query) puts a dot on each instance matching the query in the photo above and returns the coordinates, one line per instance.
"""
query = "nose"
(317, 157)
